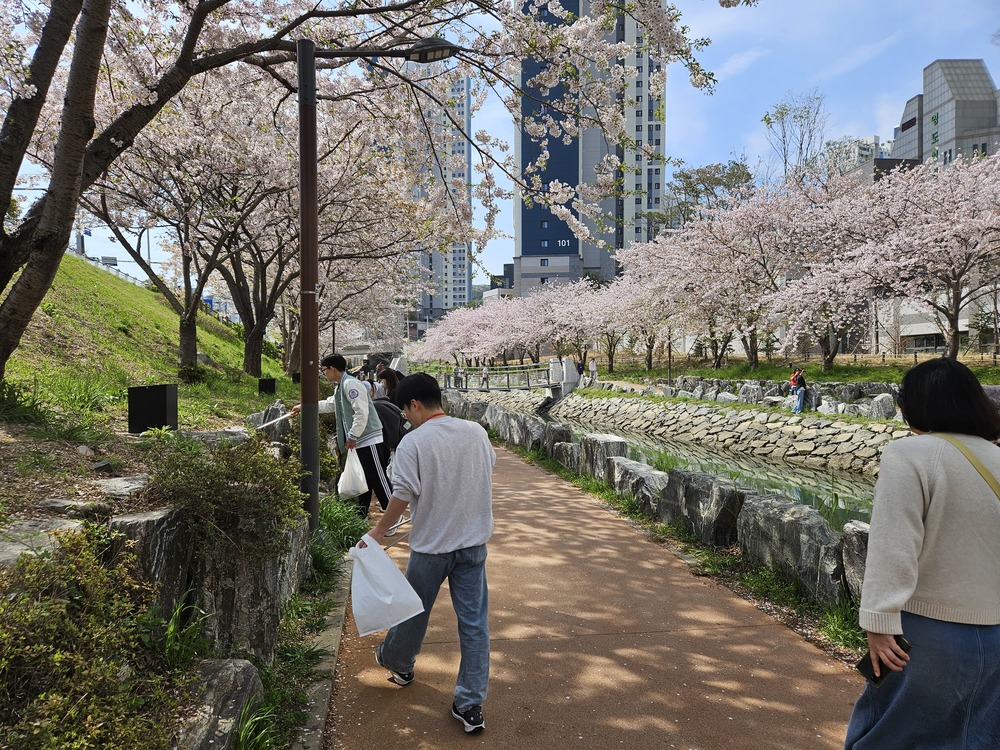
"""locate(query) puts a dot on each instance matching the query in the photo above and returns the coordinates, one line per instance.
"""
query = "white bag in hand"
(380, 594)
(352, 482)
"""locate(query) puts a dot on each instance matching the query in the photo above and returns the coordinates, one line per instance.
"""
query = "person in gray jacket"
(358, 428)
(443, 472)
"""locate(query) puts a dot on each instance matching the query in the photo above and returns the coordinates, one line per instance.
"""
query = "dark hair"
(390, 378)
(421, 387)
(943, 395)
(334, 360)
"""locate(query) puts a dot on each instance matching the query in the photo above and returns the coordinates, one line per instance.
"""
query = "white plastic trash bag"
(352, 482)
(380, 594)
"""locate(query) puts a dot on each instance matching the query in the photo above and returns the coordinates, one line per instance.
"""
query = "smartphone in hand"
(865, 665)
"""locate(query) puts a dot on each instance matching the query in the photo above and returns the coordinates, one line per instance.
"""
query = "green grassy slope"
(96, 334)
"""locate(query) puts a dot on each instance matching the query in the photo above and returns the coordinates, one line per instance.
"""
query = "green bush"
(231, 494)
(73, 671)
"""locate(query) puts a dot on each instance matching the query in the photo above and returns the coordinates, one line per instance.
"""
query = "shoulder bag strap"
(986, 474)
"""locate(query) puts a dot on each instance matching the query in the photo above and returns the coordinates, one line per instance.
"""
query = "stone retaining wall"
(814, 441)
(242, 595)
(772, 531)
(869, 400)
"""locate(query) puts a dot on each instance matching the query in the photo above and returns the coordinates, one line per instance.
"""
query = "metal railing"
(515, 377)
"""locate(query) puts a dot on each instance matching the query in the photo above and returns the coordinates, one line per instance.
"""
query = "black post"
(305, 54)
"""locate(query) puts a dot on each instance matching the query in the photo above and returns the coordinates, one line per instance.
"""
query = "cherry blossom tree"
(81, 79)
(943, 252)
(825, 298)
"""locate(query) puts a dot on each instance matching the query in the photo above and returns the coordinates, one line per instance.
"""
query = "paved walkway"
(600, 639)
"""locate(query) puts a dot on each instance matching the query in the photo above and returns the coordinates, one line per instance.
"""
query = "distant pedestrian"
(800, 389)
(486, 378)
(792, 388)
(579, 369)
(593, 369)
(452, 517)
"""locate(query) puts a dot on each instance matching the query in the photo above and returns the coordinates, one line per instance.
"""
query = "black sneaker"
(471, 717)
(400, 678)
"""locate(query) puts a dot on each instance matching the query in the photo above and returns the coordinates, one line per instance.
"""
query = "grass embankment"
(93, 337)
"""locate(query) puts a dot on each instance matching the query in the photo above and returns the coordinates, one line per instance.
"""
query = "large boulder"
(227, 686)
(528, 431)
(638, 480)
(751, 393)
(855, 552)
(32, 535)
(568, 455)
(276, 432)
(883, 406)
(708, 506)
(595, 449)
(794, 539)
(245, 592)
(498, 419)
(556, 432)
(849, 392)
(164, 549)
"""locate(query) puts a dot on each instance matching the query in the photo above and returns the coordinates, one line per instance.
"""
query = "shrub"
(231, 488)
(73, 673)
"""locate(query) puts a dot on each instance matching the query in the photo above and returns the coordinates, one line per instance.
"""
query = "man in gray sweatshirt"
(443, 471)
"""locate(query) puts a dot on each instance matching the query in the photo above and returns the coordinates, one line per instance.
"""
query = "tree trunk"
(750, 346)
(50, 237)
(954, 340)
(830, 345)
(188, 347)
(293, 353)
(650, 346)
(253, 350)
(719, 347)
(22, 116)
(25, 296)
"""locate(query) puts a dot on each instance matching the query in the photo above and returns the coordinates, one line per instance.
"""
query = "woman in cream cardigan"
(933, 574)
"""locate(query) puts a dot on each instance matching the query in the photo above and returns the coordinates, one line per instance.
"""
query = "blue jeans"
(946, 698)
(800, 402)
(465, 571)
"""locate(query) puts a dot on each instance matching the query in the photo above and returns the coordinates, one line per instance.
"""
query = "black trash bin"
(266, 385)
(296, 377)
(152, 406)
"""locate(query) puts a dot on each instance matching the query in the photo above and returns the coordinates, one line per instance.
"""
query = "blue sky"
(866, 58)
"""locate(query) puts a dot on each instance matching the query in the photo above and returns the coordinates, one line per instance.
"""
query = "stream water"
(839, 496)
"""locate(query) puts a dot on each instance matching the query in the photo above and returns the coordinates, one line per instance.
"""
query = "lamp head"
(431, 49)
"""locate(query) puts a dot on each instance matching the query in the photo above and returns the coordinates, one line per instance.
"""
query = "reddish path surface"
(600, 639)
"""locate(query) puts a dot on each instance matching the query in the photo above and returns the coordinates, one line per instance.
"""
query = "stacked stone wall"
(810, 440)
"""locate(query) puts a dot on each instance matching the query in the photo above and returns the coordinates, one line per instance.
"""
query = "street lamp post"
(422, 51)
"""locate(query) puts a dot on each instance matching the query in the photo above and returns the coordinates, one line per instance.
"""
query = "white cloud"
(857, 58)
(736, 64)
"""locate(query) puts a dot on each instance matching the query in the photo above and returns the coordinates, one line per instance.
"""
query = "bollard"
(152, 406)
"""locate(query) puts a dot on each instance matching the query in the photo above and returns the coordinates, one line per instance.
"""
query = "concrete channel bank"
(772, 531)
